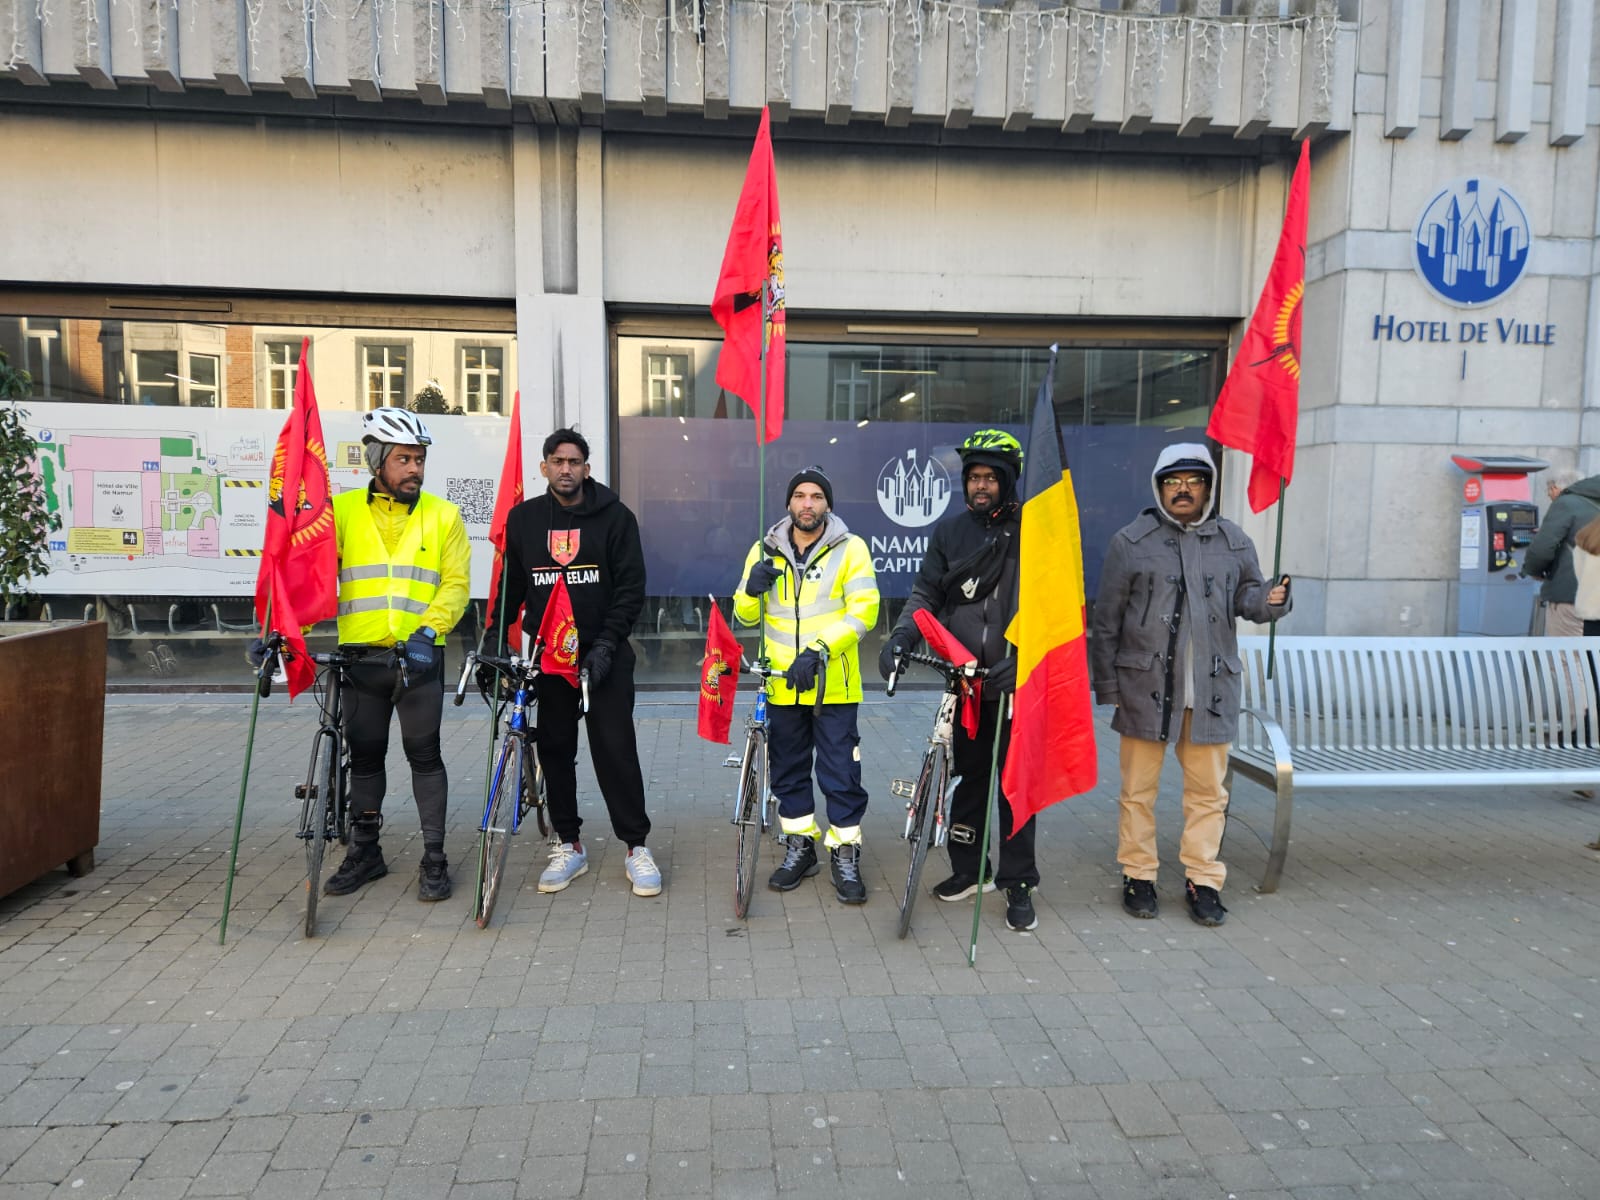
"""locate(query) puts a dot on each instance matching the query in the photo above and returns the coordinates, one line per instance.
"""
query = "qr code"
(474, 497)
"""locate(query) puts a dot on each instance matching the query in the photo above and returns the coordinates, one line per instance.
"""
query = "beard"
(806, 522)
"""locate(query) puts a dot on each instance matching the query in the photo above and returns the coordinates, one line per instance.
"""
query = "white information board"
(172, 501)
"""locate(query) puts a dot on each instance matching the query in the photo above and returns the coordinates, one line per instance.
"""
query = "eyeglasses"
(1173, 482)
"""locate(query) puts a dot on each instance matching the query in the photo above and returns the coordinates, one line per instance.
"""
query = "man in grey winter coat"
(1574, 502)
(1164, 650)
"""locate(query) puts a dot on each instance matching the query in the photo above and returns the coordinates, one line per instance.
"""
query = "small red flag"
(719, 679)
(299, 572)
(947, 646)
(1259, 408)
(558, 633)
(753, 260)
(507, 498)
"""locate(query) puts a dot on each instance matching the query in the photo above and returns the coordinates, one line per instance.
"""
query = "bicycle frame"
(752, 816)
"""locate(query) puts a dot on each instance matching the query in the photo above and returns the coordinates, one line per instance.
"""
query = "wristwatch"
(429, 632)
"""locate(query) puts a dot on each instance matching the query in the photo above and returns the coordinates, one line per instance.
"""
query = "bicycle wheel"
(919, 827)
(315, 795)
(752, 815)
(533, 792)
(495, 839)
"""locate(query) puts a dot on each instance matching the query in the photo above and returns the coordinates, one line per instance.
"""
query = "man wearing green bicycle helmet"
(969, 581)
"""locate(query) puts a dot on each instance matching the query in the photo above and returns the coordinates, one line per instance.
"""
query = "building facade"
(534, 196)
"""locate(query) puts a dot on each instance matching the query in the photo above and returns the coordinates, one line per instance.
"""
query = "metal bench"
(1347, 712)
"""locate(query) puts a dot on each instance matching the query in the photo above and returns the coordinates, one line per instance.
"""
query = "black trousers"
(369, 707)
(802, 735)
(972, 758)
(613, 749)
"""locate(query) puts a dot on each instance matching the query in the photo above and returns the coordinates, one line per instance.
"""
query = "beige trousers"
(1562, 620)
(1205, 807)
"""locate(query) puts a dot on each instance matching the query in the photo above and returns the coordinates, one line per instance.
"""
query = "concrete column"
(1402, 103)
(1570, 91)
(1513, 105)
(1463, 23)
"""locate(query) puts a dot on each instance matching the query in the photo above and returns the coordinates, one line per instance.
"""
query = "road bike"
(754, 810)
(517, 787)
(928, 797)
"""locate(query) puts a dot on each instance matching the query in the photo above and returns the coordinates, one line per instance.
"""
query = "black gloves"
(1002, 675)
(761, 578)
(258, 653)
(598, 663)
(486, 675)
(895, 646)
(422, 656)
(802, 673)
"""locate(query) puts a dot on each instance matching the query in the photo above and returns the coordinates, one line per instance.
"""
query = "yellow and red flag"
(558, 633)
(752, 264)
(297, 583)
(1052, 752)
(1259, 407)
(507, 498)
(719, 679)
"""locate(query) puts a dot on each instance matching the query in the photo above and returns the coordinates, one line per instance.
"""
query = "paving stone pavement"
(1412, 1016)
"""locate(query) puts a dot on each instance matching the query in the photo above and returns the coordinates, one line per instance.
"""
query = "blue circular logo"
(1471, 243)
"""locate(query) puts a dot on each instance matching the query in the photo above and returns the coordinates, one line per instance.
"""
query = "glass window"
(41, 351)
(155, 377)
(384, 370)
(283, 367)
(669, 383)
(481, 371)
(204, 370)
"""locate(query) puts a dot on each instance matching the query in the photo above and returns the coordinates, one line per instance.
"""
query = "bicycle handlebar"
(950, 671)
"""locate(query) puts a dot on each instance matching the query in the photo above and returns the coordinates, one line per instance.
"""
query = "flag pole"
(1277, 574)
(761, 467)
(988, 820)
(244, 782)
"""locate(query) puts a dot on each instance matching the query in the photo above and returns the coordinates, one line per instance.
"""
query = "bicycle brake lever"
(583, 683)
(466, 670)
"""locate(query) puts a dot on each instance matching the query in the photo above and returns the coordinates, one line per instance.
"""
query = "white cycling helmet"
(396, 426)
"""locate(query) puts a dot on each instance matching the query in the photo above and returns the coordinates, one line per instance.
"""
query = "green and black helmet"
(994, 448)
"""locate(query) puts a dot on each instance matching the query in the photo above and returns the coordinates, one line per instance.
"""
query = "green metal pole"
(1277, 573)
(244, 782)
(761, 467)
(988, 820)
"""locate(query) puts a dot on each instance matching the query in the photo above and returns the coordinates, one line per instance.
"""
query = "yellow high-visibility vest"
(382, 597)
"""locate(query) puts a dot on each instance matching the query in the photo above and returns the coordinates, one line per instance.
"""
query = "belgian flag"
(1052, 753)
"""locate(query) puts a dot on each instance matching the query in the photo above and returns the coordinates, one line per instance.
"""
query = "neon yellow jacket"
(829, 601)
(400, 566)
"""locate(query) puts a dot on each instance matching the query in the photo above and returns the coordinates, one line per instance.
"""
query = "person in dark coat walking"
(1164, 651)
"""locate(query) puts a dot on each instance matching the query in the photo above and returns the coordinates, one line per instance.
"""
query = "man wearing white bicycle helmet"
(404, 563)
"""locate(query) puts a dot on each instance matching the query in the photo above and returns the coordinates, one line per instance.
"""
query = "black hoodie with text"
(596, 542)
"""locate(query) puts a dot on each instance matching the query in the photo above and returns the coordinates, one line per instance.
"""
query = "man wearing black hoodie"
(580, 527)
(969, 581)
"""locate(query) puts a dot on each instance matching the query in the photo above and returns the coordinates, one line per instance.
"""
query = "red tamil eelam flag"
(948, 647)
(558, 633)
(507, 498)
(752, 262)
(297, 583)
(1052, 752)
(719, 679)
(1259, 408)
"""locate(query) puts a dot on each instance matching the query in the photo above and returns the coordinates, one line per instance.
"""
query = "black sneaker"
(1139, 898)
(360, 867)
(959, 886)
(847, 883)
(799, 862)
(1020, 916)
(1205, 906)
(433, 879)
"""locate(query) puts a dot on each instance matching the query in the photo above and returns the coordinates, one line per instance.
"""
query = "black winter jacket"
(969, 580)
(597, 541)
(1549, 556)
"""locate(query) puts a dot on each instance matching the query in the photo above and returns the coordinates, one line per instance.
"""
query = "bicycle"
(753, 806)
(325, 795)
(928, 797)
(516, 767)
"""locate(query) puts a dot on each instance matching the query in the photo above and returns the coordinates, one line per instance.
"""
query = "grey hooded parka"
(1164, 619)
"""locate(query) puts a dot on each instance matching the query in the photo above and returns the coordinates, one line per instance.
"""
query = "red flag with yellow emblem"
(558, 633)
(507, 498)
(297, 583)
(719, 679)
(1259, 408)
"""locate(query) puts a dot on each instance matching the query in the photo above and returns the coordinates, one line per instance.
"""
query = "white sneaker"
(567, 862)
(644, 873)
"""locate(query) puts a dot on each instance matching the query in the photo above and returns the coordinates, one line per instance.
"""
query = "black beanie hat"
(810, 475)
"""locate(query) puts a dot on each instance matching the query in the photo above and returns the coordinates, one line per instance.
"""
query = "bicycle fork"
(906, 789)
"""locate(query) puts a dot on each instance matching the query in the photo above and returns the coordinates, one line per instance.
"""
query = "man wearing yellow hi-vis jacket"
(820, 597)
(404, 562)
